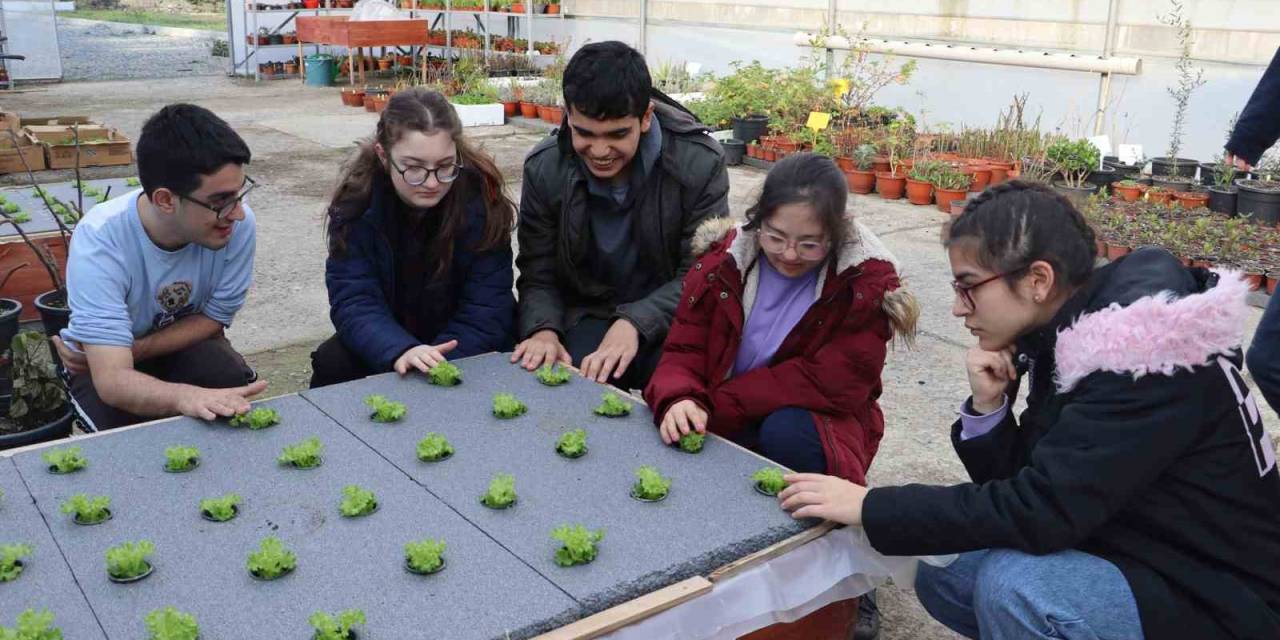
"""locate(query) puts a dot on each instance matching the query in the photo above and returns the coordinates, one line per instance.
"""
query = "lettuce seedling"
(434, 448)
(22, 217)
(445, 374)
(133, 182)
(178, 459)
(506, 405)
(271, 560)
(650, 485)
(32, 625)
(579, 544)
(424, 556)
(357, 501)
(572, 444)
(87, 510)
(11, 207)
(65, 460)
(129, 560)
(613, 406)
(329, 628)
(259, 418)
(501, 493)
(554, 376)
(384, 410)
(11, 556)
(303, 455)
(220, 509)
(769, 480)
(170, 624)
(692, 442)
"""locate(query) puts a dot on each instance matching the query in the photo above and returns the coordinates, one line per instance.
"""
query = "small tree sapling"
(692, 442)
(424, 556)
(572, 444)
(554, 376)
(650, 485)
(303, 455)
(170, 624)
(769, 481)
(434, 448)
(330, 628)
(357, 501)
(220, 509)
(32, 625)
(180, 458)
(506, 405)
(501, 493)
(445, 374)
(11, 556)
(255, 419)
(384, 410)
(579, 544)
(88, 510)
(66, 460)
(612, 406)
(271, 560)
(128, 561)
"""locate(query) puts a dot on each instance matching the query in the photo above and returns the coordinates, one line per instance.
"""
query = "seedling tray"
(41, 219)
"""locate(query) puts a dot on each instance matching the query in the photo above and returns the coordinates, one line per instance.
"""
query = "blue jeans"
(999, 594)
(1263, 359)
(790, 438)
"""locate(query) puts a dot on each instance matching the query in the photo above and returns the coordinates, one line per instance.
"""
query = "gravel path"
(93, 50)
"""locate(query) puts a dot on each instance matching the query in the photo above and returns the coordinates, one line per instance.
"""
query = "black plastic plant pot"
(438, 569)
(1077, 195)
(1170, 182)
(760, 490)
(1125, 171)
(235, 511)
(440, 459)
(1261, 203)
(1104, 177)
(1209, 173)
(635, 495)
(370, 512)
(734, 150)
(259, 578)
(54, 312)
(10, 309)
(194, 463)
(294, 465)
(749, 129)
(1181, 167)
(503, 507)
(55, 430)
(1223, 200)
(574, 456)
(76, 519)
(137, 578)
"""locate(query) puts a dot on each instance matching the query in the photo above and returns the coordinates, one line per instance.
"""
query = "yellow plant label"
(818, 120)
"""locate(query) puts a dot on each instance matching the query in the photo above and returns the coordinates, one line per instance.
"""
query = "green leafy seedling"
(65, 460)
(425, 556)
(769, 480)
(11, 208)
(554, 376)
(650, 485)
(579, 544)
(32, 625)
(434, 447)
(385, 410)
(170, 624)
(271, 560)
(220, 509)
(133, 182)
(129, 560)
(303, 455)
(692, 442)
(335, 628)
(87, 510)
(612, 406)
(572, 444)
(11, 556)
(178, 459)
(21, 217)
(259, 418)
(506, 405)
(501, 493)
(357, 501)
(445, 374)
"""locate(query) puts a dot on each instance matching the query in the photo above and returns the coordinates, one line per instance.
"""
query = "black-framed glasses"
(965, 291)
(417, 175)
(224, 209)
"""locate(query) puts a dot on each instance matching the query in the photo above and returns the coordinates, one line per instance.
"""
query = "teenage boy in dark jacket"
(607, 215)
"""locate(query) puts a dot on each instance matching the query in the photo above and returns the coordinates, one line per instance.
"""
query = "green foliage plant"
(11, 556)
(65, 460)
(255, 419)
(87, 510)
(445, 374)
(384, 410)
(501, 493)
(129, 560)
(170, 624)
(357, 501)
(179, 459)
(434, 447)
(303, 455)
(650, 485)
(505, 405)
(271, 560)
(612, 406)
(578, 545)
(769, 480)
(328, 627)
(424, 556)
(221, 509)
(572, 444)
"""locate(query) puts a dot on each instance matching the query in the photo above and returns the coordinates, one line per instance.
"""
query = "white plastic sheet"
(31, 27)
(366, 10)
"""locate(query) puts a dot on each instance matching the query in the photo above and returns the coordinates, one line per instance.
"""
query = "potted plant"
(506, 406)
(1192, 199)
(11, 565)
(553, 7)
(862, 178)
(307, 454)
(38, 408)
(271, 561)
(357, 502)
(424, 557)
(181, 459)
(220, 509)
(1128, 190)
(32, 625)
(329, 627)
(650, 486)
(1259, 198)
(578, 545)
(64, 461)
(769, 481)
(445, 374)
(256, 419)
(384, 410)
(1223, 191)
(950, 184)
(572, 444)
(691, 442)
(1073, 161)
(890, 184)
(919, 183)
(87, 511)
(612, 406)
(501, 493)
(128, 562)
(434, 448)
(171, 624)
(1190, 78)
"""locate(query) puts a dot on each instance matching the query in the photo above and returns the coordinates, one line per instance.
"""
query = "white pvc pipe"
(1015, 57)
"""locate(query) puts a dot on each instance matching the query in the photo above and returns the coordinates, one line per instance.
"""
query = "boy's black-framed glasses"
(223, 210)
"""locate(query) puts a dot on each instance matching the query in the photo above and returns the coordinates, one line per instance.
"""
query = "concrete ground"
(300, 136)
(94, 50)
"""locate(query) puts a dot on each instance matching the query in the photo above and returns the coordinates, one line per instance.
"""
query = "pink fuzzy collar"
(1156, 334)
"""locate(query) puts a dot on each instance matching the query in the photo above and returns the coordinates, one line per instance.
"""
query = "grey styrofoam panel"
(343, 563)
(712, 516)
(46, 581)
(41, 219)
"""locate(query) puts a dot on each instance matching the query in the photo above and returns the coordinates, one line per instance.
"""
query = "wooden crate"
(114, 150)
(11, 157)
(32, 280)
(339, 30)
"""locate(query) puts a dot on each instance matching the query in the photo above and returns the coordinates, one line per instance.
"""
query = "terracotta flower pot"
(1160, 196)
(890, 185)
(555, 114)
(981, 178)
(380, 103)
(861, 182)
(879, 163)
(543, 113)
(1101, 246)
(528, 110)
(998, 175)
(957, 208)
(845, 163)
(553, 9)
(368, 103)
(1192, 199)
(517, 7)
(1128, 194)
(787, 145)
(1272, 279)
(1115, 252)
(291, 68)
(769, 155)
(945, 196)
(384, 65)
(1256, 281)
(753, 150)
(509, 109)
(919, 192)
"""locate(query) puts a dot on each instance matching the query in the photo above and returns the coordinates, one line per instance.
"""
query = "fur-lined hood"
(861, 243)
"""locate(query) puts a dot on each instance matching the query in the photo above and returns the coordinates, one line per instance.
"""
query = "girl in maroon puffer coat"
(783, 326)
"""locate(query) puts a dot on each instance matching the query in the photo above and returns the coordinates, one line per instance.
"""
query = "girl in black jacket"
(1137, 495)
